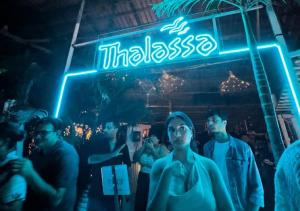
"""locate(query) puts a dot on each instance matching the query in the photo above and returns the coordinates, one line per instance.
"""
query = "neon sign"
(282, 65)
(179, 45)
(157, 51)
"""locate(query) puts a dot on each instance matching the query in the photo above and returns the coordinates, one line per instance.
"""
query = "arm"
(100, 158)
(256, 191)
(25, 168)
(40, 186)
(159, 188)
(221, 194)
(13, 206)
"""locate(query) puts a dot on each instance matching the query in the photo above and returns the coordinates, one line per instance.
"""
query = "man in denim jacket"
(236, 162)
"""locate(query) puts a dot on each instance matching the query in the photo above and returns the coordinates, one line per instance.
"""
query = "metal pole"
(281, 41)
(74, 38)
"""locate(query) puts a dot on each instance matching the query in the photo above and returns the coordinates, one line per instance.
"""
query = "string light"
(233, 84)
(169, 83)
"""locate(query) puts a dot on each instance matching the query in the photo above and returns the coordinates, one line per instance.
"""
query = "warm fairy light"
(169, 83)
(233, 84)
(81, 130)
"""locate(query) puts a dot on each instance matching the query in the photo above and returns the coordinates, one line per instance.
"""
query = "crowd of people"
(58, 176)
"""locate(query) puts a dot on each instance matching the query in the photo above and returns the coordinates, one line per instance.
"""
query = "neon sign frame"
(156, 52)
(286, 72)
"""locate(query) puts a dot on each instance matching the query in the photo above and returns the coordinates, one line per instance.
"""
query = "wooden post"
(74, 38)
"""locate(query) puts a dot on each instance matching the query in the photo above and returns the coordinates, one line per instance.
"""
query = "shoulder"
(240, 144)
(163, 149)
(159, 165)
(293, 149)
(66, 149)
(209, 144)
(206, 162)
(66, 153)
(290, 156)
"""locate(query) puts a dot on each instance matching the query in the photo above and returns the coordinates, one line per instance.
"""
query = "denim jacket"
(244, 180)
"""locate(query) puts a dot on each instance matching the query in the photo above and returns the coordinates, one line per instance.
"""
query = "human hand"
(176, 169)
(149, 145)
(22, 166)
(118, 151)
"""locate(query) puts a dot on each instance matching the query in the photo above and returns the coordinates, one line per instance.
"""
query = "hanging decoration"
(169, 83)
(233, 84)
(147, 86)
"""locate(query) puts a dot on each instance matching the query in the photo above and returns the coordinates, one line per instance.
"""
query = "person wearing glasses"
(184, 180)
(52, 170)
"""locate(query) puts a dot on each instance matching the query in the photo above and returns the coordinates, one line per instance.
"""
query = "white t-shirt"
(219, 156)
(15, 188)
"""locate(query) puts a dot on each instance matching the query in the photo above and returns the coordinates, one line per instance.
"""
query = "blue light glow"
(184, 31)
(160, 52)
(239, 50)
(286, 70)
(173, 25)
(174, 46)
(287, 74)
(207, 44)
(62, 89)
(179, 28)
(190, 48)
(156, 52)
(137, 55)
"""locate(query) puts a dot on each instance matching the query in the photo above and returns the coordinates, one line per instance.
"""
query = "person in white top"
(184, 180)
(12, 186)
(145, 156)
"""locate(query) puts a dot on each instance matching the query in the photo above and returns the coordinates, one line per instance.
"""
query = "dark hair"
(121, 135)
(116, 123)
(56, 123)
(11, 133)
(217, 112)
(187, 120)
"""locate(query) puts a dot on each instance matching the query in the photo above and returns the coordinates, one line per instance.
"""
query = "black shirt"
(59, 168)
(101, 146)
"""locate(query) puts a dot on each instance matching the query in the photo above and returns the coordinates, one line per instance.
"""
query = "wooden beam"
(20, 40)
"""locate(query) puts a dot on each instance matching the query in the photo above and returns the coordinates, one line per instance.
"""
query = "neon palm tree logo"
(177, 26)
(178, 48)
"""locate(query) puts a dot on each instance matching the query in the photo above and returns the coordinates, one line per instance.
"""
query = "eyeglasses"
(42, 132)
